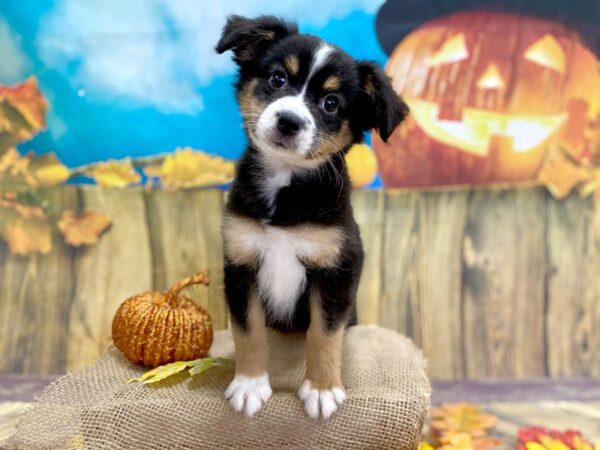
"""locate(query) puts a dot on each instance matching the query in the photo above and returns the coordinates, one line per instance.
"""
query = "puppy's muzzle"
(289, 124)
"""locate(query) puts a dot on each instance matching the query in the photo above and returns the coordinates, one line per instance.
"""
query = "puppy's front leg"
(322, 392)
(250, 388)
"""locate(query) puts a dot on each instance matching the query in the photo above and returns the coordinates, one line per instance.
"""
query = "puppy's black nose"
(289, 124)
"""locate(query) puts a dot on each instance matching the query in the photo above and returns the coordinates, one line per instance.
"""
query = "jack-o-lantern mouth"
(475, 132)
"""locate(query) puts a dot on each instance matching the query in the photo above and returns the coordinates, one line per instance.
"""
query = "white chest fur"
(281, 255)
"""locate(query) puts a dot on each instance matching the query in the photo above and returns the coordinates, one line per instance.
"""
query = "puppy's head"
(304, 100)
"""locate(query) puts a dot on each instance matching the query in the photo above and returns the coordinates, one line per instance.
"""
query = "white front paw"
(249, 394)
(321, 402)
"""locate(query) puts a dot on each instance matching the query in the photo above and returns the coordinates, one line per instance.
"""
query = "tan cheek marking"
(332, 83)
(330, 144)
(251, 346)
(250, 107)
(323, 350)
(292, 64)
(236, 232)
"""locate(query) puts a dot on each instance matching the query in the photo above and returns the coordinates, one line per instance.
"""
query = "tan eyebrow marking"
(332, 83)
(292, 64)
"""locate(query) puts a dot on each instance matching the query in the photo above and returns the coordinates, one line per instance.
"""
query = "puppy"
(293, 253)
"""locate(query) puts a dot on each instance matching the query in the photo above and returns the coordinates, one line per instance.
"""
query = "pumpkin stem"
(199, 278)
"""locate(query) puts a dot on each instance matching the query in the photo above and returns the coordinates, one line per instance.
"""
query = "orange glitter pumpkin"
(156, 328)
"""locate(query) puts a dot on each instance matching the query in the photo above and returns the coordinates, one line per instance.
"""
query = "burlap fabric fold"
(388, 397)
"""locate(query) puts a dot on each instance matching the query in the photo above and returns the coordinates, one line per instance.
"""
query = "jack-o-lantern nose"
(491, 78)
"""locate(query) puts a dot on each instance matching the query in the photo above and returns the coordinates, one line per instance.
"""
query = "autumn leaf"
(194, 367)
(28, 236)
(118, 174)
(538, 438)
(461, 418)
(187, 168)
(48, 170)
(82, 228)
(425, 446)
(22, 113)
(560, 175)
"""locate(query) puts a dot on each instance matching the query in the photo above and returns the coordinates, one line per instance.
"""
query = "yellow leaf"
(187, 168)
(83, 228)
(28, 236)
(113, 173)
(49, 171)
(553, 444)
(425, 446)
(161, 372)
(534, 446)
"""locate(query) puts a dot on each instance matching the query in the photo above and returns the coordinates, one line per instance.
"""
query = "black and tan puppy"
(293, 253)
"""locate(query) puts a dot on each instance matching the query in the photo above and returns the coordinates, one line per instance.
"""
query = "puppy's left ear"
(380, 106)
(249, 37)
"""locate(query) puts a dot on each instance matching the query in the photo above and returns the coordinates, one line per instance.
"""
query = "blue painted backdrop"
(140, 77)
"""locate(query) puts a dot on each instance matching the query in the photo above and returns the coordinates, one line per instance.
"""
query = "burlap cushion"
(388, 396)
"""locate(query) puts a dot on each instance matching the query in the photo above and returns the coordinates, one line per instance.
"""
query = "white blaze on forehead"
(319, 59)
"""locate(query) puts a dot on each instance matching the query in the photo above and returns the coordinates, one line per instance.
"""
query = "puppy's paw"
(321, 403)
(249, 394)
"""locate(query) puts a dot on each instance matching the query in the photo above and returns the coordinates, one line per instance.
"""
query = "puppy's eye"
(278, 79)
(330, 104)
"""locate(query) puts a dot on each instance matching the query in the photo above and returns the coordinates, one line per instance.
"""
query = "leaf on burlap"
(561, 175)
(461, 418)
(22, 112)
(187, 168)
(83, 228)
(195, 367)
(48, 170)
(161, 372)
(112, 173)
(203, 364)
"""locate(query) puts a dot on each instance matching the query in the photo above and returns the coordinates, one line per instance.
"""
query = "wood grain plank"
(442, 219)
(35, 293)
(503, 284)
(369, 214)
(185, 238)
(117, 267)
(399, 273)
(573, 316)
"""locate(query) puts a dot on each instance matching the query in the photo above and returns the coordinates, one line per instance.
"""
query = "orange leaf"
(83, 228)
(561, 176)
(28, 236)
(461, 418)
(117, 174)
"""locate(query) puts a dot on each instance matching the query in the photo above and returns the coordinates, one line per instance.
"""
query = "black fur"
(316, 196)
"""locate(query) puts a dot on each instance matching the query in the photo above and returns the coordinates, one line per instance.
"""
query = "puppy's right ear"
(249, 37)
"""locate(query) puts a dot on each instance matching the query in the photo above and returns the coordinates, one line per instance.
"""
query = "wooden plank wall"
(489, 282)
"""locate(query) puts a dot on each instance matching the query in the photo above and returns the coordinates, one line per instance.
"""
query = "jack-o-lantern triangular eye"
(547, 52)
(452, 50)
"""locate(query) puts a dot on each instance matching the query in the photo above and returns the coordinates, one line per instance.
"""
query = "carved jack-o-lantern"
(488, 93)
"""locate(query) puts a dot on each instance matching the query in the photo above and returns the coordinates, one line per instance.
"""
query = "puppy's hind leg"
(322, 392)
(250, 388)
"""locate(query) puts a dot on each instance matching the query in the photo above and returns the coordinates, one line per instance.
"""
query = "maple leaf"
(48, 170)
(112, 173)
(560, 175)
(28, 236)
(538, 438)
(82, 228)
(187, 168)
(461, 418)
(22, 112)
